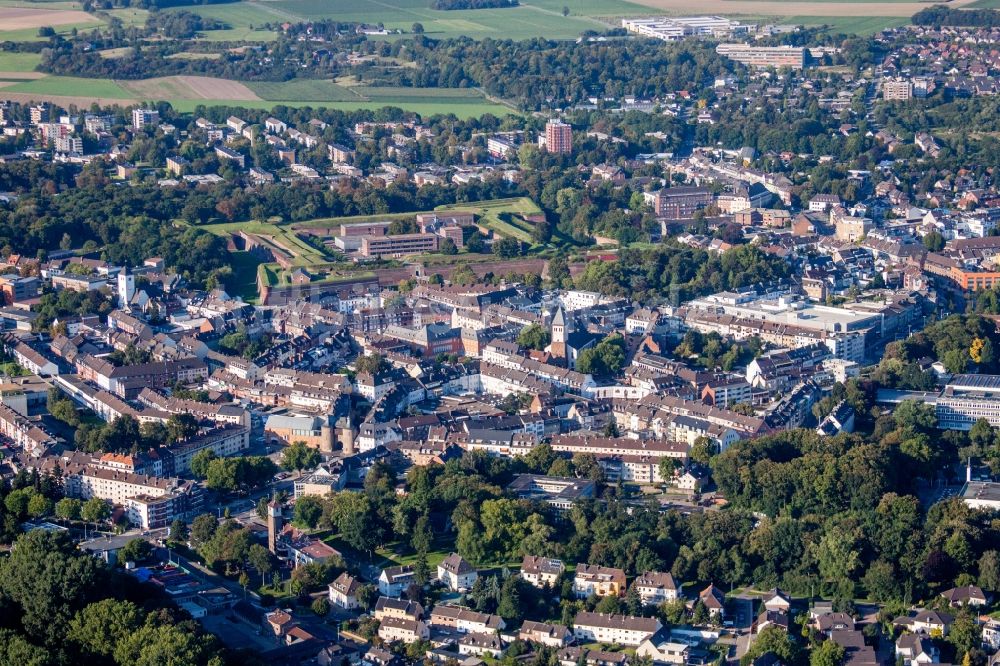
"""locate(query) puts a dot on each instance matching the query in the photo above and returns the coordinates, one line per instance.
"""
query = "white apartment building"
(655, 588)
(625, 630)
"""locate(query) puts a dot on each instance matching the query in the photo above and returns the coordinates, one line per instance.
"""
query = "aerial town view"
(499, 333)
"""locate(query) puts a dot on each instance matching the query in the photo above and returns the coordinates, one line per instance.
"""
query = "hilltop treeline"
(939, 15)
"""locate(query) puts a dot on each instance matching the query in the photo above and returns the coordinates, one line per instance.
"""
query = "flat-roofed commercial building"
(674, 28)
(764, 56)
(982, 495)
(398, 246)
(968, 398)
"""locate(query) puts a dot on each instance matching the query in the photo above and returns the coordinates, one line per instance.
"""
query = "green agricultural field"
(857, 25)
(31, 34)
(41, 4)
(534, 18)
(237, 14)
(192, 55)
(130, 17)
(71, 86)
(985, 4)
(239, 34)
(18, 62)
(398, 96)
(303, 90)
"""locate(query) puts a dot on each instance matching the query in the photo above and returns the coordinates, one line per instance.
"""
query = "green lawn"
(18, 62)
(71, 85)
(283, 237)
(392, 554)
(490, 214)
(244, 280)
(303, 90)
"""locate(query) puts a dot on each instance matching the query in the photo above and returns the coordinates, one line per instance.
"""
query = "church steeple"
(561, 327)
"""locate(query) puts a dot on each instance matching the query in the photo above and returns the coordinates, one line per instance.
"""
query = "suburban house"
(553, 635)
(967, 595)
(714, 601)
(662, 650)
(393, 629)
(397, 608)
(827, 623)
(393, 581)
(916, 649)
(929, 622)
(573, 656)
(601, 581)
(344, 591)
(625, 630)
(541, 571)
(777, 601)
(655, 588)
(464, 620)
(456, 573)
(478, 645)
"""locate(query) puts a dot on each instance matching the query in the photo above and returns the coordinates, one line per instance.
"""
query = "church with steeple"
(560, 329)
(567, 342)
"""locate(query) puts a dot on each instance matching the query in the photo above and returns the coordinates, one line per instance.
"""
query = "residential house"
(597, 580)
(397, 608)
(654, 588)
(392, 629)
(456, 573)
(662, 650)
(344, 590)
(480, 645)
(916, 649)
(967, 595)
(777, 601)
(393, 581)
(541, 571)
(714, 601)
(623, 630)
(552, 635)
